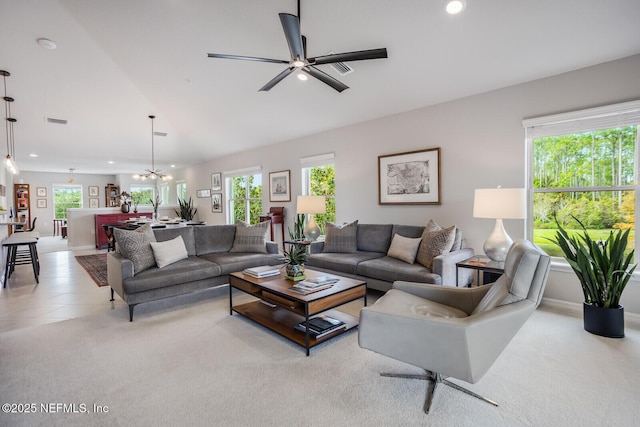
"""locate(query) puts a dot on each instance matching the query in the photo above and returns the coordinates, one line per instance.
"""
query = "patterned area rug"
(96, 266)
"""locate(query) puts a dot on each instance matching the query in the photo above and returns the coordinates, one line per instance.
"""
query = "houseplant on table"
(187, 211)
(294, 260)
(604, 270)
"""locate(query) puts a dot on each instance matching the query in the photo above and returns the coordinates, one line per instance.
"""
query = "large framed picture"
(411, 178)
(216, 203)
(93, 191)
(216, 181)
(203, 193)
(280, 186)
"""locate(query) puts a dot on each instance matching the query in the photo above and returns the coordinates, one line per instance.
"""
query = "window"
(65, 197)
(318, 179)
(163, 189)
(583, 165)
(245, 196)
(181, 190)
(142, 195)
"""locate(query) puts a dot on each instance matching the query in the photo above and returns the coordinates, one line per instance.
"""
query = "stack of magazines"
(262, 271)
(308, 286)
(321, 326)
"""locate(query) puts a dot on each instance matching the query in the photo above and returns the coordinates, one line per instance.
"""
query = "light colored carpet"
(185, 361)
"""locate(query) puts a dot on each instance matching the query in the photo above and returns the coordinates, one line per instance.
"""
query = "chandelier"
(9, 162)
(152, 173)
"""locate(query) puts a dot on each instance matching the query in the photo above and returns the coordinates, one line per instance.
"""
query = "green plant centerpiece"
(187, 211)
(298, 228)
(294, 260)
(156, 204)
(603, 270)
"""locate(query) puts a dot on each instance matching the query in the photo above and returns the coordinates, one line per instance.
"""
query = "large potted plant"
(187, 210)
(604, 270)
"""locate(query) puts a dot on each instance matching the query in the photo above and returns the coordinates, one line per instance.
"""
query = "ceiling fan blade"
(277, 79)
(349, 56)
(325, 78)
(246, 58)
(291, 27)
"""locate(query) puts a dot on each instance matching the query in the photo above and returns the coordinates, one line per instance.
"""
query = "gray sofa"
(371, 263)
(208, 264)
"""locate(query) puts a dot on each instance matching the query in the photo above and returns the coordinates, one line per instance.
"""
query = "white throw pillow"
(404, 248)
(169, 251)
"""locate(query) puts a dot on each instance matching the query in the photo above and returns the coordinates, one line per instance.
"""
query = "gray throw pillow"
(251, 238)
(135, 246)
(341, 238)
(404, 248)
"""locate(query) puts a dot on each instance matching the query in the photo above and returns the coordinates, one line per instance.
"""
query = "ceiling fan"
(299, 60)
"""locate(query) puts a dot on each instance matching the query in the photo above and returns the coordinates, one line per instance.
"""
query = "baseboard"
(631, 320)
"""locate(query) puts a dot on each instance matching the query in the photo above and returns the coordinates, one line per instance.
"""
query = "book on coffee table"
(262, 271)
(321, 326)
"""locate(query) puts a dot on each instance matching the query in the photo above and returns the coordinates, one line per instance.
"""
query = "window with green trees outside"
(65, 197)
(320, 181)
(142, 195)
(245, 198)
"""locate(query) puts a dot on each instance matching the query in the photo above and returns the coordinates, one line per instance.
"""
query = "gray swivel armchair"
(456, 332)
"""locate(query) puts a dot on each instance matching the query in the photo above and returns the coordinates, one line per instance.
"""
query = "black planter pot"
(607, 322)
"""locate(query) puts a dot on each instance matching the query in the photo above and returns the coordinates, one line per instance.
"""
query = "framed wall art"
(93, 191)
(216, 181)
(280, 186)
(411, 178)
(41, 191)
(203, 193)
(42, 203)
(93, 203)
(216, 203)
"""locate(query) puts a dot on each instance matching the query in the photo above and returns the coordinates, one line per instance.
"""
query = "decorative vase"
(607, 322)
(295, 271)
(125, 208)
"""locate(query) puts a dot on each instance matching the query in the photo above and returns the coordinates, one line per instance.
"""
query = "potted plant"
(604, 270)
(294, 260)
(155, 203)
(126, 201)
(187, 211)
(298, 228)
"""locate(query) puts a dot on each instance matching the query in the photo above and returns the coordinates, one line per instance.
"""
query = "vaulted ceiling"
(118, 61)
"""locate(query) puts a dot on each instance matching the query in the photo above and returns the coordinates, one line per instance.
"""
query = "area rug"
(96, 266)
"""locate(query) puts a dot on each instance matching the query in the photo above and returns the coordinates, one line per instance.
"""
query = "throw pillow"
(341, 238)
(435, 243)
(169, 251)
(134, 245)
(404, 248)
(251, 238)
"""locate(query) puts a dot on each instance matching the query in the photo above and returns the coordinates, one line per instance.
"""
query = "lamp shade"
(311, 204)
(503, 203)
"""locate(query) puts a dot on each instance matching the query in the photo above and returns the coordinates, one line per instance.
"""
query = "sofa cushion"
(214, 238)
(187, 233)
(341, 238)
(412, 231)
(435, 243)
(251, 238)
(169, 251)
(134, 245)
(404, 248)
(230, 262)
(392, 269)
(374, 237)
(184, 271)
(344, 263)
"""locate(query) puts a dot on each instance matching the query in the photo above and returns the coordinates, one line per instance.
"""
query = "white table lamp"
(311, 205)
(499, 203)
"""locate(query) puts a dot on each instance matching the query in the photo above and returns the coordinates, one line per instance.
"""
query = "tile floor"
(65, 290)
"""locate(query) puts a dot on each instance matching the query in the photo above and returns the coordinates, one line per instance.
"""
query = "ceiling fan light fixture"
(298, 63)
(455, 7)
(302, 76)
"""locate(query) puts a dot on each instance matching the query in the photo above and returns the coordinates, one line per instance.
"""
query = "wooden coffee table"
(279, 308)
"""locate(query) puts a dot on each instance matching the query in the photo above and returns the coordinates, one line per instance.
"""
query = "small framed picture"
(93, 191)
(93, 203)
(203, 193)
(279, 186)
(41, 191)
(42, 203)
(216, 181)
(216, 203)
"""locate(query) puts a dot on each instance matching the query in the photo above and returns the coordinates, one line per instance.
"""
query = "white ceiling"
(118, 61)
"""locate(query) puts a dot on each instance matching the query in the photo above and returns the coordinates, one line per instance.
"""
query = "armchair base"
(434, 379)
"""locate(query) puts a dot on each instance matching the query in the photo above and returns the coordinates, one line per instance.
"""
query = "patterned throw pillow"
(134, 245)
(341, 238)
(404, 248)
(251, 238)
(435, 243)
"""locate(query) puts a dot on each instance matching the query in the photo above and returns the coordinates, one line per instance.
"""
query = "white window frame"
(163, 191)
(53, 193)
(227, 177)
(181, 190)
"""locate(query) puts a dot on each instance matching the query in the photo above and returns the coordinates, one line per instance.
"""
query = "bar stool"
(57, 226)
(16, 257)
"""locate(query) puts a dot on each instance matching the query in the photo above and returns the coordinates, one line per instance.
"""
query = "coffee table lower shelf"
(282, 322)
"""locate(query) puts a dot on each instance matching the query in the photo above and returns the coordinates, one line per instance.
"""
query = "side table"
(488, 267)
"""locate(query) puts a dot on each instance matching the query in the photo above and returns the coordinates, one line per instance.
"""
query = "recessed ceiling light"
(173, 166)
(33, 155)
(454, 7)
(110, 162)
(47, 44)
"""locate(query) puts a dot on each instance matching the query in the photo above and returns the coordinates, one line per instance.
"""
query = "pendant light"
(152, 173)
(9, 161)
(70, 180)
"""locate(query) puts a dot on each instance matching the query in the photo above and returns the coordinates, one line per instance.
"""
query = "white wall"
(482, 145)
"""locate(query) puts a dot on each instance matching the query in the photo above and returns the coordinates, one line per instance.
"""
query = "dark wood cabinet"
(112, 196)
(111, 219)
